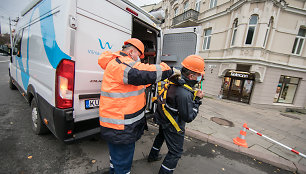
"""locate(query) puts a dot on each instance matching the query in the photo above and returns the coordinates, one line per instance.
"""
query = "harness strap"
(163, 93)
(168, 115)
(191, 90)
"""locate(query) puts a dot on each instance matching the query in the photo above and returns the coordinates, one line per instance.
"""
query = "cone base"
(240, 142)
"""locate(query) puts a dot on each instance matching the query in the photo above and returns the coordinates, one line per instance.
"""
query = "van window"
(17, 44)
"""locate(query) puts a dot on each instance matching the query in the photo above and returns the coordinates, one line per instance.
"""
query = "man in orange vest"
(181, 103)
(122, 100)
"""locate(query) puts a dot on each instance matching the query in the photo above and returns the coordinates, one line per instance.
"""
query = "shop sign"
(235, 74)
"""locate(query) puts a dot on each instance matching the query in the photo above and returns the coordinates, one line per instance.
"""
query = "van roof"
(35, 2)
(29, 7)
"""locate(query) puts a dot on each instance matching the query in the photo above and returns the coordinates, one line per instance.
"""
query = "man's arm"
(187, 107)
(143, 74)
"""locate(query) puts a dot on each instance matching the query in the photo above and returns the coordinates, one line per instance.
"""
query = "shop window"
(251, 29)
(268, 32)
(213, 3)
(285, 90)
(235, 26)
(225, 87)
(299, 42)
(197, 5)
(207, 38)
(246, 91)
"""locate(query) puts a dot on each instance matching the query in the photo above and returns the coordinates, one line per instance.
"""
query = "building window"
(197, 5)
(207, 38)
(251, 29)
(299, 42)
(213, 3)
(285, 90)
(235, 26)
(176, 11)
(268, 31)
(186, 4)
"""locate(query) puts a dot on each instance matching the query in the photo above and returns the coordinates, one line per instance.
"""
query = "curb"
(269, 159)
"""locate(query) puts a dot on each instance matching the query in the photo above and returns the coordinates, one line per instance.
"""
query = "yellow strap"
(154, 99)
(159, 86)
(194, 92)
(163, 92)
(173, 122)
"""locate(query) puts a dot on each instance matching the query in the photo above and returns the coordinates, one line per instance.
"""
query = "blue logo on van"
(106, 44)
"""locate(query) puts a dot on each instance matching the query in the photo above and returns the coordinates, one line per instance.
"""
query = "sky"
(12, 8)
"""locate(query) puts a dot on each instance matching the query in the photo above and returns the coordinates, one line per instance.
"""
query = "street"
(22, 151)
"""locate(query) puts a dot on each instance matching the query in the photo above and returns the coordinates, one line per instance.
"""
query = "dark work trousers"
(174, 143)
(121, 157)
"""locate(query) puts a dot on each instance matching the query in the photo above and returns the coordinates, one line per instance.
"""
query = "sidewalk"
(289, 129)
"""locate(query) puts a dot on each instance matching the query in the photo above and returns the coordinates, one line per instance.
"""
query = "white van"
(55, 60)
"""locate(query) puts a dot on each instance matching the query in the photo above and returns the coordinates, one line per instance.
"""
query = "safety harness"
(161, 99)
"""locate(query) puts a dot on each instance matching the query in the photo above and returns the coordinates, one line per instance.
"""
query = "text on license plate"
(91, 103)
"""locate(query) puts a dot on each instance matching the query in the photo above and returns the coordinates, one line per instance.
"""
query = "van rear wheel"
(38, 126)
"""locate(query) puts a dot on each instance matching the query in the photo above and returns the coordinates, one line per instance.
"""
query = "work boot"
(154, 159)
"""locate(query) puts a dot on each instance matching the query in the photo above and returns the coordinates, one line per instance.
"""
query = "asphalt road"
(23, 152)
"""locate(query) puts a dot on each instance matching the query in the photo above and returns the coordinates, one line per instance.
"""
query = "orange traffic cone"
(240, 140)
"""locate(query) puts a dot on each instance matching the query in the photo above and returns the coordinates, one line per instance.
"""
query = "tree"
(5, 39)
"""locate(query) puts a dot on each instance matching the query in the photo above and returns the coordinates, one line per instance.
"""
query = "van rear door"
(101, 26)
(176, 45)
(179, 43)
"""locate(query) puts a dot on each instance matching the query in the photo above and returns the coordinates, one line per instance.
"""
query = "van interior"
(148, 36)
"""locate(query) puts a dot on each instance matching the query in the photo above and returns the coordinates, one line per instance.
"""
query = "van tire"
(38, 126)
(11, 84)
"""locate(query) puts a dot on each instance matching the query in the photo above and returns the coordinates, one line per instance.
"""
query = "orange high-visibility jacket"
(122, 100)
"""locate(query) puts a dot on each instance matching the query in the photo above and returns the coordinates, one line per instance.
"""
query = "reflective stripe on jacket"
(122, 100)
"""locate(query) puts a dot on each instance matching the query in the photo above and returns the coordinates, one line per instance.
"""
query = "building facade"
(254, 49)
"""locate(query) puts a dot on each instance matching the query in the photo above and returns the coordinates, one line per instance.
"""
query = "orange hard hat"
(138, 44)
(194, 63)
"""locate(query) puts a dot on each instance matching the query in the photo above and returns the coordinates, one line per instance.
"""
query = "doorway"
(237, 86)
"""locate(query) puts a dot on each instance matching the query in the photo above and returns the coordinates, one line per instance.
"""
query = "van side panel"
(100, 27)
(80, 31)
(42, 48)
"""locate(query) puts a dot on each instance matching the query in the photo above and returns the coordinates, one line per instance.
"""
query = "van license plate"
(92, 103)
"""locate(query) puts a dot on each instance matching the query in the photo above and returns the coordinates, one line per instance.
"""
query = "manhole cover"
(222, 121)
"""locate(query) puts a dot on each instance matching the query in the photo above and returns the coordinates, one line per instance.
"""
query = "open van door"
(176, 45)
(179, 43)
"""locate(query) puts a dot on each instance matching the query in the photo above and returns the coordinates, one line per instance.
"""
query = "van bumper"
(61, 122)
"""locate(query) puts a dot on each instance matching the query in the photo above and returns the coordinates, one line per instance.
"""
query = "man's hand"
(200, 94)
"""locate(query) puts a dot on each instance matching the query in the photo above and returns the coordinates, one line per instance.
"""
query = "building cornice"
(295, 10)
(228, 10)
(257, 62)
(282, 4)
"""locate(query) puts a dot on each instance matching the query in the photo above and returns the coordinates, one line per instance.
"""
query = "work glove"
(176, 72)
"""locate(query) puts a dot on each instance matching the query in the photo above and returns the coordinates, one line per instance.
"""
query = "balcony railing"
(190, 15)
